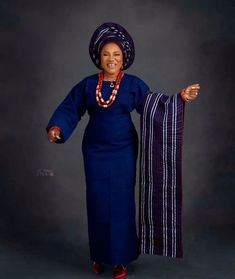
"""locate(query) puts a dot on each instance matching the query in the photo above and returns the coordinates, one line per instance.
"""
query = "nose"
(111, 58)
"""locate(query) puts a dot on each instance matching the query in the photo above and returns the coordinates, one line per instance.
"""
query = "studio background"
(44, 53)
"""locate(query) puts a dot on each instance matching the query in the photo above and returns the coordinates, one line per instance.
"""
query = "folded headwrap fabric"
(160, 211)
(112, 32)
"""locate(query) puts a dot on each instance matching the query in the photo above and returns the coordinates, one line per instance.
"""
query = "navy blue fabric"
(110, 149)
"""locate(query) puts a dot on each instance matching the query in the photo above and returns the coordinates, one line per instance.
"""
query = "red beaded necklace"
(101, 102)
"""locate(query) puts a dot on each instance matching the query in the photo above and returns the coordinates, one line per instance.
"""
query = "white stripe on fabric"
(165, 177)
(150, 194)
(175, 203)
(147, 145)
(143, 225)
(173, 181)
(101, 34)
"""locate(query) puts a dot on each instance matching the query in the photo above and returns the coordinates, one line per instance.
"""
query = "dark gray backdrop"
(44, 52)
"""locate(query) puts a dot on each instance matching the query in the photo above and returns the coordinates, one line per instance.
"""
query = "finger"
(193, 94)
(195, 84)
(51, 139)
(194, 87)
(191, 97)
(191, 90)
(55, 134)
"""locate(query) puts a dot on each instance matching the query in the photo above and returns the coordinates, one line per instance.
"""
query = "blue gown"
(110, 149)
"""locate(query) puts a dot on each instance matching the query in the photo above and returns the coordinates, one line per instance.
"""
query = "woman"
(110, 145)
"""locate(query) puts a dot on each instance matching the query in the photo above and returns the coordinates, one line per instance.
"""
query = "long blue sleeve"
(141, 89)
(69, 112)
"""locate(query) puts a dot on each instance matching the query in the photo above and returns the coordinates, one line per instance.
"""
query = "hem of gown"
(113, 263)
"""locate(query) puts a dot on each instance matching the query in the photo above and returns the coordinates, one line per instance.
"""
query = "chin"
(112, 71)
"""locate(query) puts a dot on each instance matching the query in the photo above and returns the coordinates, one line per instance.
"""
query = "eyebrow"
(116, 51)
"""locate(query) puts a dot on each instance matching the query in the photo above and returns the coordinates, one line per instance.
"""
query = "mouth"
(111, 65)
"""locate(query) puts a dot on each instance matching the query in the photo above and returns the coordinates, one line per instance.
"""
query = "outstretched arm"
(67, 115)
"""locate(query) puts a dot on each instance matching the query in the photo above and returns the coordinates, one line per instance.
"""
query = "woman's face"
(111, 58)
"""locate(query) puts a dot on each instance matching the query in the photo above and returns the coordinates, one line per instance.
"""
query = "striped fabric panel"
(160, 211)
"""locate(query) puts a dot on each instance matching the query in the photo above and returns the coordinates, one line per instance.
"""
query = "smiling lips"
(111, 65)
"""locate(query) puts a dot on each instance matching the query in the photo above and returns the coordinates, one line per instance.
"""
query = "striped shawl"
(160, 210)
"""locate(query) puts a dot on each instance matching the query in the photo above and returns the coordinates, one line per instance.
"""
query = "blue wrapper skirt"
(110, 150)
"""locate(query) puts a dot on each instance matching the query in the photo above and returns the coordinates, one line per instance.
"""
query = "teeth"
(111, 65)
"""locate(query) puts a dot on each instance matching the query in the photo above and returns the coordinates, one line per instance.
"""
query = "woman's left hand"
(190, 92)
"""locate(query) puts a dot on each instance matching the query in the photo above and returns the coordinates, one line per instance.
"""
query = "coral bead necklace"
(101, 102)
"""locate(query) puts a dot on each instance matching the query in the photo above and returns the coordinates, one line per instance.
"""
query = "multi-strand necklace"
(101, 102)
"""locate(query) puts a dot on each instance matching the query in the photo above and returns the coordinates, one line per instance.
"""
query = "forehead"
(111, 47)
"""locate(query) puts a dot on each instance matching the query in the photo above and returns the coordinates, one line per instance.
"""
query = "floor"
(208, 253)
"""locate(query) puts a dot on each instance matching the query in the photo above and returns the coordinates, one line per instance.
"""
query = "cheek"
(102, 60)
(120, 60)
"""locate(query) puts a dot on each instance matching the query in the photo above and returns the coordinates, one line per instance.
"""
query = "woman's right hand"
(54, 134)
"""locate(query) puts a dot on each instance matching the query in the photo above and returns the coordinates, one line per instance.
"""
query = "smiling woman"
(110, 148)
(111, 61)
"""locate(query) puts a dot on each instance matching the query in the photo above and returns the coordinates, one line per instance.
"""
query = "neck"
(110, 77)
